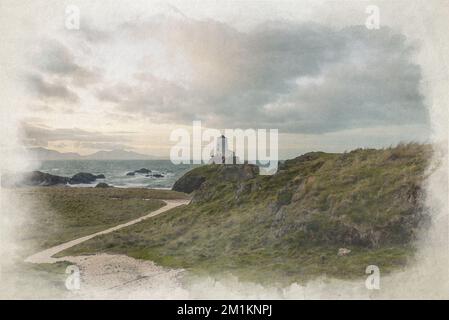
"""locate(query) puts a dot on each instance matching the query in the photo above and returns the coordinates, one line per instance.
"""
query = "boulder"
(103, 185)
(238, 172)
(215, 173)
(188, 183)
(38, 178)
(130, 174)
(100, 176)
(143, 170)
(83, 177)
(157, 175)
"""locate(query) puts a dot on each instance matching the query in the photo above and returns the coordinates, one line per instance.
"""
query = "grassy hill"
(289, 226)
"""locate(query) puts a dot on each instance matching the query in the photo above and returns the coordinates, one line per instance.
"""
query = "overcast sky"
(131, 75)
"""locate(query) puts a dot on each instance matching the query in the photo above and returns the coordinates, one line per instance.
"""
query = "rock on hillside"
(195, 178)
(189, 183)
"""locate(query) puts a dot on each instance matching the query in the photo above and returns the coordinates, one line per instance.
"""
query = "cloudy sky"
(132, 74)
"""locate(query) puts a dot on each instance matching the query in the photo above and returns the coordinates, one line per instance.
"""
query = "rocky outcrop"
(103, 185)
(188, 183)
(37, 178)
(238, 172)
(157, 175)
(143, 170)
(194, 179)
(85, 177)
(146, 172)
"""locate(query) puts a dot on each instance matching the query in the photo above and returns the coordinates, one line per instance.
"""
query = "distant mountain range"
(40, 153)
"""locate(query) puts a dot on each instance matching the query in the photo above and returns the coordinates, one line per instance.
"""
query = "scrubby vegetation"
(289, 226)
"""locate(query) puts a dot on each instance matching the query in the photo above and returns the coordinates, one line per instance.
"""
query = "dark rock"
(103, 185)
(194, 179)
(37, 178)
(83, 177)
(100, 176)
(130, 174)
(143, 170)
(238, 172)
(188, 183)
(157, 175)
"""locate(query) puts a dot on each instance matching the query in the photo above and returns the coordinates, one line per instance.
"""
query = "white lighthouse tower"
(222, 154)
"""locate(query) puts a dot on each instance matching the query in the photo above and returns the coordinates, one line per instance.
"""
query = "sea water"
(115, 171)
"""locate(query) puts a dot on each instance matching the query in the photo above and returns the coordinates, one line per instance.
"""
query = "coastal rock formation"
(143, 170)
(38, 178)
(157, 175)
(103, 185)
(194, 179)
(85, 177)
(146, 172)
(189, 183)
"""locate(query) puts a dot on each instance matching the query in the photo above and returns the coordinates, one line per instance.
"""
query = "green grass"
(61, 214)
(200, 249)
(289, 226)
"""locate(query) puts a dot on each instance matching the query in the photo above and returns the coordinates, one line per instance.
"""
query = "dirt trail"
(108, 276)
(46, 256)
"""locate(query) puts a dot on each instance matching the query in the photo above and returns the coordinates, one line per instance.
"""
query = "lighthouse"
(222, 154)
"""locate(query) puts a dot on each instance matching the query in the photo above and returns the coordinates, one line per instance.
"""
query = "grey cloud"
(93, 34)
(57, 60)
(158, 95)
(303, 78)
(49, 90)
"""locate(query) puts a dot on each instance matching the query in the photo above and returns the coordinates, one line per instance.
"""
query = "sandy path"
(106, 276)
(46, 256)
(109, 276)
